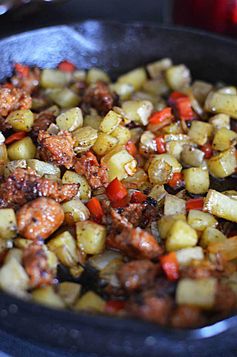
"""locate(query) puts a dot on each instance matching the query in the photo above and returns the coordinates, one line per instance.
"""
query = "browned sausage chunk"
(151, 307)
(135, 243)
(24, 185)
(57, 148)
(137, 274)
(28, 82)
(42, 122)
(100, 97)
(186, 317)
(36, 265)
(13, 99)
(38, 219)
(95, 173)
(226, 299)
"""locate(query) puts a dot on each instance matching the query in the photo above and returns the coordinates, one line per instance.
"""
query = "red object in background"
(213, 15)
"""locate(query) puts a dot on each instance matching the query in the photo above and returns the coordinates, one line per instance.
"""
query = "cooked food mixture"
(120, 197)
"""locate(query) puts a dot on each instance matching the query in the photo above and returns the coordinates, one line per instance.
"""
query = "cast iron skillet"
(117, 48)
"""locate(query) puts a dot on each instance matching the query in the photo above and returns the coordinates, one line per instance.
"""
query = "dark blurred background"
(213, 15)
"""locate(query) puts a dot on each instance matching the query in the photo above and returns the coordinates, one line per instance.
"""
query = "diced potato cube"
(96, 74)
(224, 139)
(64, 246)
(200, 132)
(84, 138)
(221, 205)
(76, 271)
(165, 223)
(11, 166)
(13, 278)
(224, 164)
(174, 205)
(110, 122)
(14, 253)
(69, 292)
(3, 157)
(181, 235)
(44, 168)
(65, 97)
(90, 301)
(222, 103)
(124, 90)
(228, 90)
(120, 165)
(70, 120)
(159, 171)
(158, 192)
(91, 237)
(175, 148)
(21, 243)
(200, 90)
(79, 75)
(101, 261)
(199, 292)
(147, 143)
(104, 144)
(138, 111)
(8, 225)
(227, 248)
(156, 86)
(53, 78)
(52, 260)
(122, 134)
(156, 68)
(22, 149)
(93, 120)
(186, 255)
(73, 177)
(161, 167)
(178, 77)
(136, 78)
(220, 121)
(139, 179)
(21, 120)
(47, 296)
(76, 210)
(196, 180)
(211, 235)
(201, 220)
(191, 156)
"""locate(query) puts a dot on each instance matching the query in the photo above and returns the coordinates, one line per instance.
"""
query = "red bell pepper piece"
(131, 148)
(174, 96)
(207, 149)
(160, 144)
(95, 209)
(116, 191)
(184, 109)
(114, 306)
(182, 105)
(161, 116)
(22, 70)
(176, 180)
(138, 197)
(15, 137)
(195, 203)
(170, 266)
(66, 66)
